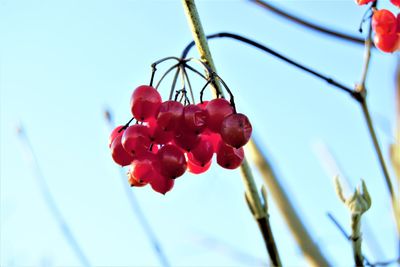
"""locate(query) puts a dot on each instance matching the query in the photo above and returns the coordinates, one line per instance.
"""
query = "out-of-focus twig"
(300, 233)
(49, 199)
(308, 24)
(137, 210)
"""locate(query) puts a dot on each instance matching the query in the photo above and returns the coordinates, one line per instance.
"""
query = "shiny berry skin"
(116, 132)
(145, 102)
(118, 153)
(158, 135)
(186, 140)
(203, 105)
(236, 130)
(363, 2)
(144, 170)
(136, 139)
(140, 172)
(172, 161)
(215, 138)
(384, 22)
(161, 184)
(217, 110)
(197, 169)
(195, 118)
(202, 153)
(395, 2)
(170, 115)
(229, 157)
(388, 43)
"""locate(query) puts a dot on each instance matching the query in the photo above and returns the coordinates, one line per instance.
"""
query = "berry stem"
(166, 73)
(171, 93)
(186, 76)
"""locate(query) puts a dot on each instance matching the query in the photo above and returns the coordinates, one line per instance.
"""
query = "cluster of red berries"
(386, 27)
(170, 138)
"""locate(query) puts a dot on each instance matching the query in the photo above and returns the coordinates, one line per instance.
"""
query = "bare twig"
(308, 24)
(49, 199)
(292, 218)
(251, 191)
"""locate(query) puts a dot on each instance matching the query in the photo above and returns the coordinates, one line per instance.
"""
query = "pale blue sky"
(63, 62)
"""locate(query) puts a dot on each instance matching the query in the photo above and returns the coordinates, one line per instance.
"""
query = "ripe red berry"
(145, 102)
(236, 130)
(118, 153)
(229, 157)
(158, 135)
(388, 43)
(217, 110)
(197, 169)
(116, 132)
(172, 161)
(161, 184)
(136, 139)
(395, 2)
(363, 2)
(195, 118)
(202, 153)
(186, 140)
(203, 105)
(384, 22)
(170, 115)
(140, 172)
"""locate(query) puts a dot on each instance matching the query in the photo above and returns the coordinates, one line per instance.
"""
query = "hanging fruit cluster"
(178, 135)
(386, 27)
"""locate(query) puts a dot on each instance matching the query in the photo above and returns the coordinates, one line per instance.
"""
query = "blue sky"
(62, 63)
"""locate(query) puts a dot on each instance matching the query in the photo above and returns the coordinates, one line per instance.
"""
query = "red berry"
(384, 22)
(202, 153)
(236, 130)
(172, 161)
(170, 115)
(118, 153)
(136, 139)
(395, 2)
(145, 102)
(203, 105)
(217, 110)
(388, 43)
(195, 118)
(134, 183)
(215, 138)
(363, 2)
(116, 132)
(161, 184)
(229, 157)
(197, 169)
(144, 170)
(186, 140)
(158, 135)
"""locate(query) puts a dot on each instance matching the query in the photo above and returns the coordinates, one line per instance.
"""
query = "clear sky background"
(63, 62)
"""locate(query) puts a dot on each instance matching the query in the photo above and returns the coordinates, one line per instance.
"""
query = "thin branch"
(300, 233)
(50, 201)
(307, 24)
(277, 55)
